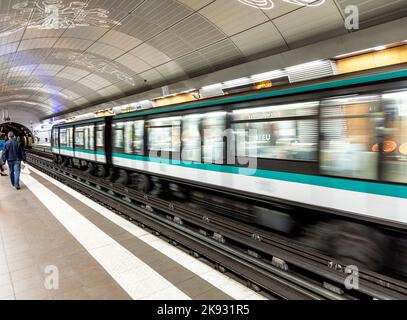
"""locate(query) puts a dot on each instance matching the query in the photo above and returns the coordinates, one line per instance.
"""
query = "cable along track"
(273, 265)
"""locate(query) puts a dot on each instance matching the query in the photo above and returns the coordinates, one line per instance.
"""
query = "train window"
(66, 137)
(79, 137)
(287, 132)
(128, 137)
(118, 129)
(89, 137)
(348, 136)
(213, 128)
(63, 137)
(91, 129)
(138, 142)
(286, 140)
(55, 137)
(394, 166)
(191, 138)
(100, 135)
(86, 137)
(164, 134)
(69, 132)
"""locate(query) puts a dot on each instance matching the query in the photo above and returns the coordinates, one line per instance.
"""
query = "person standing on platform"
(14, 153)
(2, 145)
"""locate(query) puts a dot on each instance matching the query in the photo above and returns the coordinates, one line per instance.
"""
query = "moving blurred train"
(272, 158)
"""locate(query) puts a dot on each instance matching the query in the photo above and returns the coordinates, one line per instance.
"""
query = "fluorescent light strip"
(352, 53)
(268, 75)
(259, 4)
(231, 287)
(305, 65)
(307, 3)
(269, 4)
(396, 95)
(212, 86)
(345, 55)
(380, 48)
(237, 82)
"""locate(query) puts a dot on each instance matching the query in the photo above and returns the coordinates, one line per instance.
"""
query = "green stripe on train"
(309, 88)
(392, 190)
(84, 151)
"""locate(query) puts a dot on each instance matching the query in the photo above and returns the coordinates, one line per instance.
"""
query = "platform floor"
(57, 244)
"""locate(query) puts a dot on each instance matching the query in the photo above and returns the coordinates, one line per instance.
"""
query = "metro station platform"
(52, 235)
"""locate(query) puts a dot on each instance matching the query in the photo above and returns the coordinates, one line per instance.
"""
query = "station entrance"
(23, 134)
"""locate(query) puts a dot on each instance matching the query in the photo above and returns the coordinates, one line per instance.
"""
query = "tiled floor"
(47, 228)
(31, 240)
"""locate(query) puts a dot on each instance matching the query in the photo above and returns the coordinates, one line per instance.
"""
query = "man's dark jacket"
(13, 151)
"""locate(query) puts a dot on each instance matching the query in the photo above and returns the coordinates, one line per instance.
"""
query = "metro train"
(336, 146)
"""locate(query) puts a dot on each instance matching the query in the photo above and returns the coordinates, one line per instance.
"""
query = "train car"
(85, 144)
(346, 135)
(338, 146)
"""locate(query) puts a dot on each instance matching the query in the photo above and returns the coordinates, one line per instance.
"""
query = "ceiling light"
(379, 48)
(268, 75)
(187, 91)
(237, 82)
(307, 3)
(305, 65)
(212, 86)
(352, 53)
(259, 4)
(269, 4)
(396, 95)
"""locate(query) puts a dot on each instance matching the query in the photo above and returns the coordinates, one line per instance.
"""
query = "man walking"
(13, 153)
(2, 145)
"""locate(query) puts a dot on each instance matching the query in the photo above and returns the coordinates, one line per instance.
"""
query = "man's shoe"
(18, 187)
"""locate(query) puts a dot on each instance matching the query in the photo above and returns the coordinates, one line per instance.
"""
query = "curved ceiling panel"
(64, 55)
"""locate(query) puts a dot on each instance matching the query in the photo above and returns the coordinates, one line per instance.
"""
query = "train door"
(55, 140)
(100, 142)
(85, 146)
(394, 145)
(128, 142)
(66, 141)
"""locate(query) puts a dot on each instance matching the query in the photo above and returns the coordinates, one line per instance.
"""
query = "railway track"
(271, 264)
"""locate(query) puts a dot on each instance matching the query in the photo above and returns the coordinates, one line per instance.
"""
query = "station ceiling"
(59, 55)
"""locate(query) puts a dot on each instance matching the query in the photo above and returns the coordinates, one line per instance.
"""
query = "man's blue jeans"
(14, 168)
